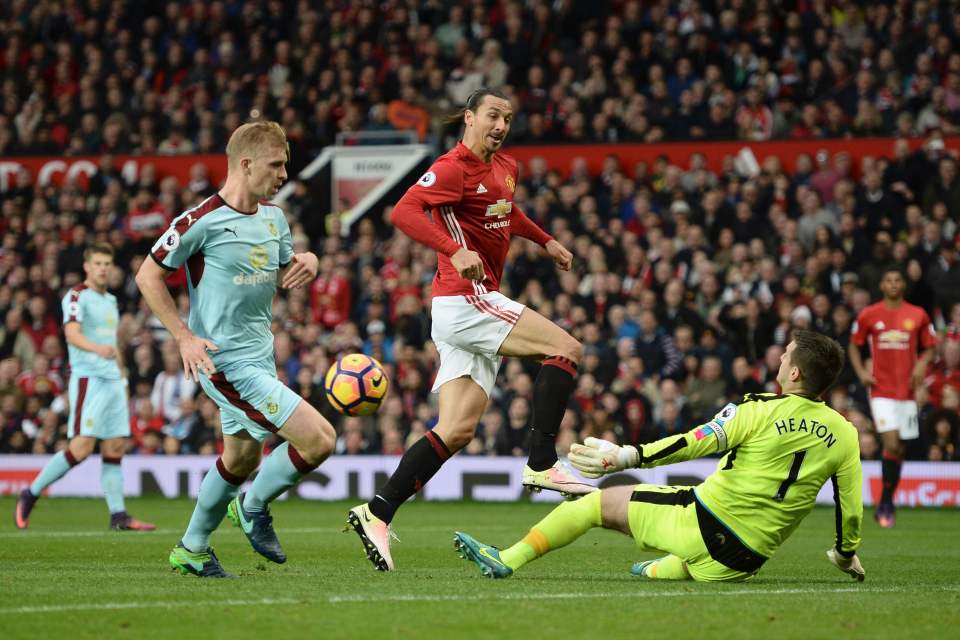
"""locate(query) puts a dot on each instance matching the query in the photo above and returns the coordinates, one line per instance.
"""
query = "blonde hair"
(251, 138)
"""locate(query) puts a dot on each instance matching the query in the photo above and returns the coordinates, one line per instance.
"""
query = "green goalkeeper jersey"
(780, 450)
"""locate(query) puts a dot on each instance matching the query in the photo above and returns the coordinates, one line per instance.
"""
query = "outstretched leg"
(462, 403)
(663, 518)
(562, 526)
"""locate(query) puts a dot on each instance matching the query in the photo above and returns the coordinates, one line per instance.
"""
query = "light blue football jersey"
(233, 261)
(98, 315)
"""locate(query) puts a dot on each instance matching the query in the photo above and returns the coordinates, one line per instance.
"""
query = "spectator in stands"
(707, 391)
(170, 387)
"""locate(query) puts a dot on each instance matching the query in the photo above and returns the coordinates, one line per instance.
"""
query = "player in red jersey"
(895, 329)
(469, 192)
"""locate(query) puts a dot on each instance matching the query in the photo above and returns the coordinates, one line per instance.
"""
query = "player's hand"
(302, 270)
(106, 351)
(867, 379)
(596, 458)
(919, 373)
(561, 257)
(196, 360)
(468, 264)
(851, 566)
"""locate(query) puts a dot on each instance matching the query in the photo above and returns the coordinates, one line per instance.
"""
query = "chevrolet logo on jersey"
(893, 339)
(501, 208)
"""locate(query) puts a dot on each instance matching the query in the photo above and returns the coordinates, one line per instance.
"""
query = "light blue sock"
(55, 469)
(218, 488)
(281, 470)
(111, 479)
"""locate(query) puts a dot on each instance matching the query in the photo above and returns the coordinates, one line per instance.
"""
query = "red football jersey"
(471, 203)
(894, 335)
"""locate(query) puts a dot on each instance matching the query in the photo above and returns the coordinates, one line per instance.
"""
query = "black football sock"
(890, 470)
(417, 466)
(551, 392)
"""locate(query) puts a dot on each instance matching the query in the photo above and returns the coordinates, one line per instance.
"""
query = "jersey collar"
(465, 153)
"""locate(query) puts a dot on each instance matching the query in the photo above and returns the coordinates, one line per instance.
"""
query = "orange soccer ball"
(356, 385)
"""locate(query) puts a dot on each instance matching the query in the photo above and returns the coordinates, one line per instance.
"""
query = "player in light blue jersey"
(237, 248)
(97, 393)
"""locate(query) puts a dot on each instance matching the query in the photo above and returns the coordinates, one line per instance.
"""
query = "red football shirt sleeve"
(928, 335)
(441, 185)
(861, 328)
(521, 225)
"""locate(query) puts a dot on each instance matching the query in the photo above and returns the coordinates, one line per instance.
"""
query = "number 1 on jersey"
(791, 477)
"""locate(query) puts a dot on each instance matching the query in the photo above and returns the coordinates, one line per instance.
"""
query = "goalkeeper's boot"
(121, 521)
(258, 527)
(203, 564)
(21, 513)
(559, 477)
(485, 556)
(885, 516)
(375, 535)
(642, 568)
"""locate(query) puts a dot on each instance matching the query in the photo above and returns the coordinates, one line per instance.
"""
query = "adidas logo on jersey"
(481, 189)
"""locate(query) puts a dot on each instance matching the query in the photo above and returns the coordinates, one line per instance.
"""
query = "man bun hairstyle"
(820, 360)
(473, 103)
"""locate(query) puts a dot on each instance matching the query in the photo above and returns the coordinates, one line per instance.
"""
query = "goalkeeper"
(780, 450)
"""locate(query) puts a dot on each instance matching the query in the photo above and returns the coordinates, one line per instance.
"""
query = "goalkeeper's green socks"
(666, 568)
(562, 526)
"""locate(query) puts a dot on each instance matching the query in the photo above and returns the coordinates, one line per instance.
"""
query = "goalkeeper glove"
(850, 566)
(596, 458)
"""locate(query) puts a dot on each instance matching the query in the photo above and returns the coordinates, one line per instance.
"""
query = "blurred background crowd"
(686, 282)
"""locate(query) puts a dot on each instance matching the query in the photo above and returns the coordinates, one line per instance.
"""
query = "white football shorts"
(468, 331)
(893, 415)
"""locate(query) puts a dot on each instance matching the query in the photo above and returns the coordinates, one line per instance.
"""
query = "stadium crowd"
(686, 282)
(108, 76)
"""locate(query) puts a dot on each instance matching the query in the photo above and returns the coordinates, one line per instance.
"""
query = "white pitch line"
(368, 598)
(362, 598)
(26, 535)
(111, 606)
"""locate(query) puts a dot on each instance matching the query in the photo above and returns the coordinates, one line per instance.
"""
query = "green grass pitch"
(68, 577)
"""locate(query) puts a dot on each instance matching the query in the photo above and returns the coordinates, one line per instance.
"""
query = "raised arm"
(730, 427)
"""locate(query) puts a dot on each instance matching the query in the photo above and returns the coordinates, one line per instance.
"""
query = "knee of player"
(240, 466)
(319, 445)
(80, 451)
(328, 438)
(460, 436)
(572, 350)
